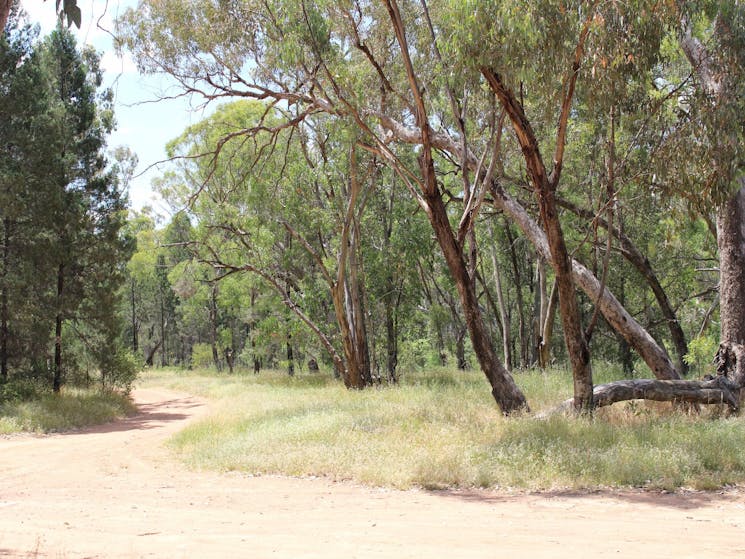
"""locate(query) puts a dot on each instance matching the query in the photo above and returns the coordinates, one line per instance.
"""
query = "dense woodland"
(385, 186)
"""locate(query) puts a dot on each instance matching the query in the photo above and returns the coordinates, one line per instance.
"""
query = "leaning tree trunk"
(506, 393)
(544, 187)
(613, 312)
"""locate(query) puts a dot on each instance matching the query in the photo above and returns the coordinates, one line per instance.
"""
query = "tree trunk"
(4, 13)
(150, 355)
(163, 358)
(506, 393)
(290, 356)
(504, 315)
(391, 333)
(460, 350)
(4, 306)
(213, 326)
(252, 335)
(718, 390)
(731, 244)
(57, 381)
(135, 341)
(522, 338)
(730, 221)
(540, 308)
(544, 187)
(547, 329)
(574, 337)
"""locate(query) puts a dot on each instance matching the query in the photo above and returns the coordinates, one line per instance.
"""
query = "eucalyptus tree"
(68, 8)
(716, 53)
(258, 211)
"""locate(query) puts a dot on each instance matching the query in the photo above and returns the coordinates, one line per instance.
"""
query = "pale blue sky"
(144, 126)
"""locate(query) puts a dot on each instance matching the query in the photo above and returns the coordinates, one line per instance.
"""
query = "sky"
(142, 124)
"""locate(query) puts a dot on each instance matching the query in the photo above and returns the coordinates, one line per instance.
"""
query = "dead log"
(718, 390)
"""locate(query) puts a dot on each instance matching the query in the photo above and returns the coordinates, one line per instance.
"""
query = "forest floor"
(115, 491)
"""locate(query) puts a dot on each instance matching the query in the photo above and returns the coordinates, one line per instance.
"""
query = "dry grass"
(443, 430)
(74, 408)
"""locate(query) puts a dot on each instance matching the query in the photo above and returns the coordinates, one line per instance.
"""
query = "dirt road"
(114, 492)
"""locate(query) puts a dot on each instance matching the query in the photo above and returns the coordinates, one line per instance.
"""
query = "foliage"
(62, 213)
(526, 133)
(700, 355)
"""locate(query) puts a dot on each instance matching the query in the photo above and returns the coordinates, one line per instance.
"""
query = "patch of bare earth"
(113, 491)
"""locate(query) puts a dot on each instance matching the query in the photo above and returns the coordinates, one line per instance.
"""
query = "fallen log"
(718, 390)
(724, 388)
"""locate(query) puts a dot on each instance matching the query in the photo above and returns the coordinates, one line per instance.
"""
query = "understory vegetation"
(440, 429)
(33, 407)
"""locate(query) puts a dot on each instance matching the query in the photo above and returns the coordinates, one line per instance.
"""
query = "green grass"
(44, 412)
(442, 429)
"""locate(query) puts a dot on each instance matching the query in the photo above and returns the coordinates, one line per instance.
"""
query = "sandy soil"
(114, 491)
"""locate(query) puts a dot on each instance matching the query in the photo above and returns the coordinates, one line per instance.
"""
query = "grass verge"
(43, 412)
(442, 430)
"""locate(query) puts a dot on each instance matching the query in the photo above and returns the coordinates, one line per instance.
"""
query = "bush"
(119, 370)
(20, 390)
(201, 356)
(700, 356)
